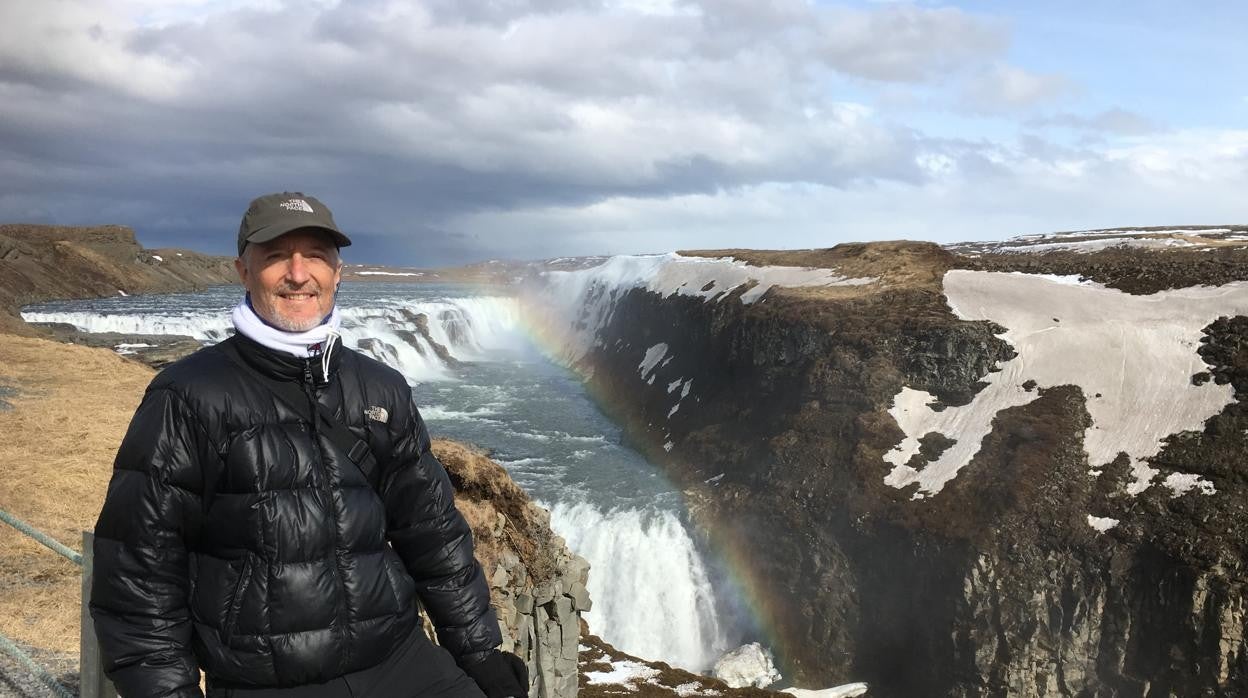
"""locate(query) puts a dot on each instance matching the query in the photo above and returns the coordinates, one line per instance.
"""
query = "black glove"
(500, 675)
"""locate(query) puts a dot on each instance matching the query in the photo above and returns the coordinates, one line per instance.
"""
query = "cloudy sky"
(448, 131)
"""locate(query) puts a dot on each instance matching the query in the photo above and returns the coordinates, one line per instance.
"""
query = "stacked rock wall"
(537, 586)
(542, 622)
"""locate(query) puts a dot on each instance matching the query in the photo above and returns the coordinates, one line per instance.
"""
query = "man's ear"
(241, 267)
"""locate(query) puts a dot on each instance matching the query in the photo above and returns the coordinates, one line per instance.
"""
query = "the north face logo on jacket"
(377, 414)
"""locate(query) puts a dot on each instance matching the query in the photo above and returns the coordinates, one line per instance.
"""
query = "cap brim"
(274, 232)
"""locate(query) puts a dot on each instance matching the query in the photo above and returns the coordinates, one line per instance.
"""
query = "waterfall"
(651, 589)
(206, 327)
(422, 339)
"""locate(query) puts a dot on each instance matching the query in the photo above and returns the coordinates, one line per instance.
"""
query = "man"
(275, 514)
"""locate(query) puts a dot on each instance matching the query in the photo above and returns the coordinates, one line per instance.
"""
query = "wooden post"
(92, 681)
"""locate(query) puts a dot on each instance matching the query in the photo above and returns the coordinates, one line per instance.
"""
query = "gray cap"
(273, 215)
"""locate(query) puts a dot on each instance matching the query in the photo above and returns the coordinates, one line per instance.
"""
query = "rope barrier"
(48, 679)
(7, 645)
(40, 536)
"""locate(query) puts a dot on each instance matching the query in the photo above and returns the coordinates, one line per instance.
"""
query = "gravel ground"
(17, 682)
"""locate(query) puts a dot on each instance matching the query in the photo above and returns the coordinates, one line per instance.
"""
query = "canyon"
(977, 470)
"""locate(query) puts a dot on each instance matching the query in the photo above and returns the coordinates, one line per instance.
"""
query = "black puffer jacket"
(237, 538)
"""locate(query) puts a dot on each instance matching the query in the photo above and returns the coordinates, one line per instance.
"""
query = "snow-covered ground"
(849, 690)
(1133, 357)
(1087, 241)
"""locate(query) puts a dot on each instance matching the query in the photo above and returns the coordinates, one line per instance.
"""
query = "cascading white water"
(469, 328)
(651, 590)
(206, 327)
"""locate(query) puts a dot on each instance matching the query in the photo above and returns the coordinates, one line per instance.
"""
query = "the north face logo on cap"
(296, 205)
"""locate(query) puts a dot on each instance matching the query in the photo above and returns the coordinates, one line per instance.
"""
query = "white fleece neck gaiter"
(314, 342)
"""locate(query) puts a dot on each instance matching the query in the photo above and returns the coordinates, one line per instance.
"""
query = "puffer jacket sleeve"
(140, 592)
(435, 543)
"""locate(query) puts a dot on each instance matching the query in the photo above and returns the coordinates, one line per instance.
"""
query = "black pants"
(418, 669)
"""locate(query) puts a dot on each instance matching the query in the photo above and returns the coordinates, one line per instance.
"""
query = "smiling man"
(275, 515)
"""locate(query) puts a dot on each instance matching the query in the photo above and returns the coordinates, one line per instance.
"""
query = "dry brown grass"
(483, 490)
(56, 453)
(896, 264)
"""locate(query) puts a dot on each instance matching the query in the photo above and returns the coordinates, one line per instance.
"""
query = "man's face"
(292, 279)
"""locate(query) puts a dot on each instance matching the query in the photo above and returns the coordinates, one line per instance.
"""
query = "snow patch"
(1101, 523)
(622, 672)
(127, 349)
(849, 690)
(158, 258)
(1134, 350)
(653, 356)
(1181, 483)
(694, 689)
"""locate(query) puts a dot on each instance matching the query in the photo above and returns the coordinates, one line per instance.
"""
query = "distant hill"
(43, 262)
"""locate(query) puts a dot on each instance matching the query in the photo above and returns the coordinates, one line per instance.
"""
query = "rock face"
(40, 262)
(1033, 570)
(537, 585)
(157, 351)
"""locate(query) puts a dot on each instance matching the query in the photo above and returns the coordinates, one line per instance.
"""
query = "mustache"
(310, 287)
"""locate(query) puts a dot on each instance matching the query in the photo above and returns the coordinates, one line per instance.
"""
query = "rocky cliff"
(536, 584)
(40, 262)
(937, 486)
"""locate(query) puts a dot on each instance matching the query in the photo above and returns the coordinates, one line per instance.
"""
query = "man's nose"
(297, 271)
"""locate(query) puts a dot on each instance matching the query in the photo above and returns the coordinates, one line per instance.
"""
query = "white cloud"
(906, 43)
(1187, 157)
(1116, 121)
(1009, 88)
(78, 43)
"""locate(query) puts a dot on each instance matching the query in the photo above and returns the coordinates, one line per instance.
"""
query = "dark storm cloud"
(409, 117)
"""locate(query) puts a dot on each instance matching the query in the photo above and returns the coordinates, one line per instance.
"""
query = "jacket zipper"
(236, 602)
(309, 387)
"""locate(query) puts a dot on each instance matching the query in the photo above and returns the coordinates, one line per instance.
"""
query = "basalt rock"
(537, 586)
(155, 350)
